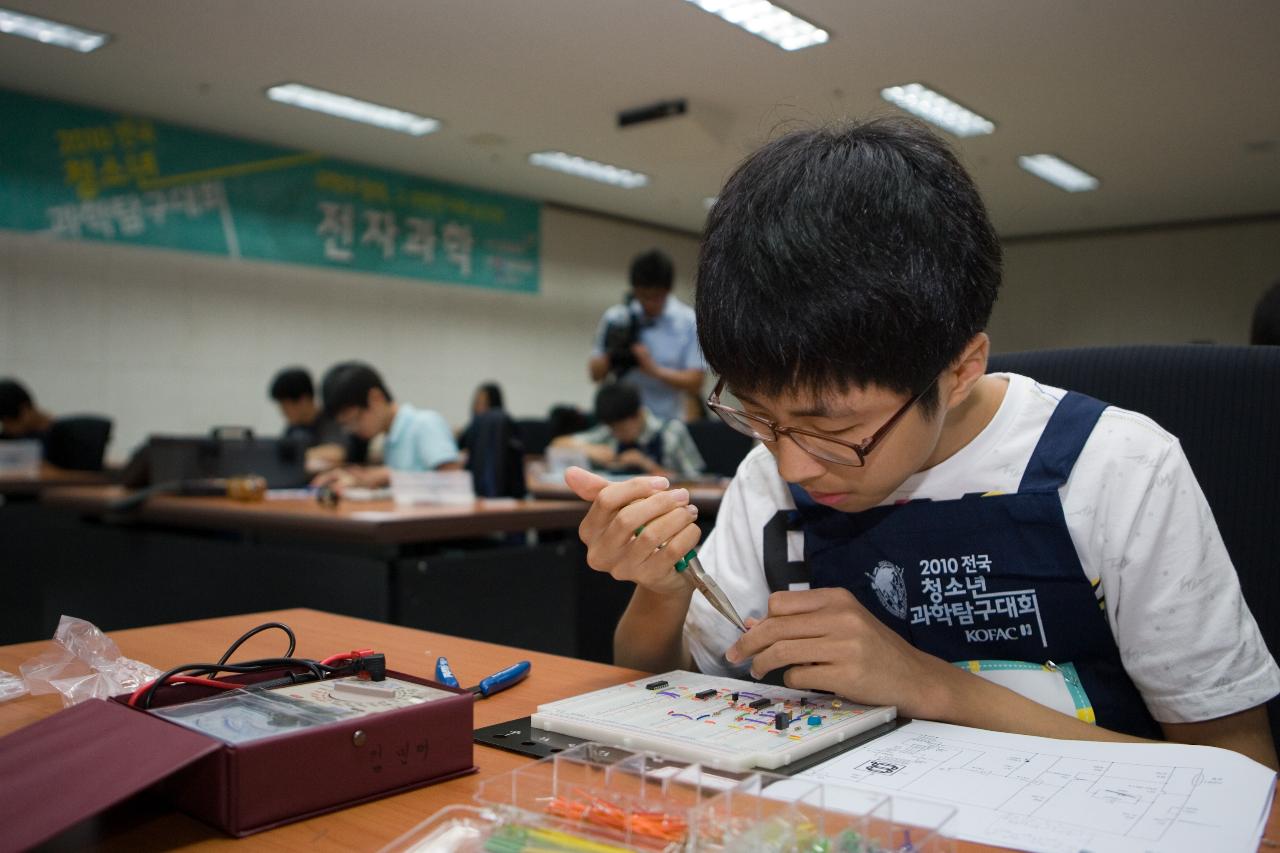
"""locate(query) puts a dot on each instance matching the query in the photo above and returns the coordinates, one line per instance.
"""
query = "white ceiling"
(1174, 104)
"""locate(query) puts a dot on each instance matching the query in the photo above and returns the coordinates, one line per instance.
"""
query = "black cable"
(313, 670)
(265, 626)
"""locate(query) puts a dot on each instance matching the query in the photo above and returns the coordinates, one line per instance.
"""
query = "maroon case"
(86, 758)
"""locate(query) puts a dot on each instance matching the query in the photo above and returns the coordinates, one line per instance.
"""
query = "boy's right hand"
(662, 516)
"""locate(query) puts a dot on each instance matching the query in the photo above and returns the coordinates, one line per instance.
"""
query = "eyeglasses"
(816, 444)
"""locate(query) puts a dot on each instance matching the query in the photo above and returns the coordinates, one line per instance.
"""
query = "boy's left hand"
(831, 642)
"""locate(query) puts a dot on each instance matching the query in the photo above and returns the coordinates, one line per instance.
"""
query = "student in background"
(77, 442)
(629, 438)
(1266, 318)
(973, 544)
(20, 417)
(492, 447)
(487, 398)
(651, 340)
(294, 393)
(416, 439)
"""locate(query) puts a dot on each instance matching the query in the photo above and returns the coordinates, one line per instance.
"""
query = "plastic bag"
(84, 664)
(11, 686)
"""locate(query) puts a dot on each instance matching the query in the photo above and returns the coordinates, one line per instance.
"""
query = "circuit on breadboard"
(722, 722)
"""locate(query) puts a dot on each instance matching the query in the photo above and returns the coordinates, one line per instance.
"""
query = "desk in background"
(464, 570)
(17, 486)
(546, 486)
(366, 522)
(148, 824)
(24, 529)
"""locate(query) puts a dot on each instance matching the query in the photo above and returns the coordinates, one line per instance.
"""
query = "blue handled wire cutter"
(495, 683)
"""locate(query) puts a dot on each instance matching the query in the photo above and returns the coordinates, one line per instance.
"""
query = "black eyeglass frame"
(860, 449)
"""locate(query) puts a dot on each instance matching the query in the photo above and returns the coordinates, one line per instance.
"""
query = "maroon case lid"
(74, 764)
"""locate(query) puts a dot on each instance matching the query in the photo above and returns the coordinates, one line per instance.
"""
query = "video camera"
(619, 338)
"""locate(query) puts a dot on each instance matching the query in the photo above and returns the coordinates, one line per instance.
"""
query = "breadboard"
(721, 722)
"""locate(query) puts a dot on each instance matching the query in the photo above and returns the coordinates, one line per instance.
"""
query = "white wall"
(1171, 285)
(171, 342)
(165, 341)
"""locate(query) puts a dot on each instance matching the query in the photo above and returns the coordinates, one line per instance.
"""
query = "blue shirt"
(672, 339)
(419, 440)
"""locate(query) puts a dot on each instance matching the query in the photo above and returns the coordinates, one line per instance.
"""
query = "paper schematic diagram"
(1047, 795)
(722, 722)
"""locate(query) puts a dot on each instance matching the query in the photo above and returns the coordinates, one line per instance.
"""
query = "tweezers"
(707, 585)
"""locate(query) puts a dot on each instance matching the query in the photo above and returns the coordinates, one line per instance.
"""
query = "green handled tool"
(707, 585)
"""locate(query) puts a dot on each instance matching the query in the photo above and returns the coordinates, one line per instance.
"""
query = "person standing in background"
(651, 340)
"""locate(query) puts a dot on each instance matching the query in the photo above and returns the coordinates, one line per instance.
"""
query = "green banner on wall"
(83, 174)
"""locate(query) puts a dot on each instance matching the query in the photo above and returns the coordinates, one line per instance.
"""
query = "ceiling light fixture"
(342, 106)
(920, 100)
(50, 32)
(571, 164)
(1058, 172)
(769, 22)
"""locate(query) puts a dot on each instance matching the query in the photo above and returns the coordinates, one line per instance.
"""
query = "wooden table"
(144, 824)
(706, 496)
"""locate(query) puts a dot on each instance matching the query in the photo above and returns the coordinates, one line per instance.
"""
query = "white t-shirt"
(1140, 524)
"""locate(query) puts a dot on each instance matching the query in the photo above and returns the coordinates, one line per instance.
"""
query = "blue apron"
(992, 578)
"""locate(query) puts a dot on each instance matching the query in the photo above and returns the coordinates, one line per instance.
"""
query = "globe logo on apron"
(891, 587)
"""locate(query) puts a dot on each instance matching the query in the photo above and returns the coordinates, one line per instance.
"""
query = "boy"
(629, 437)
(293, 391)
(416, 439)
(76, 443)
(20, 417)
(914, 531)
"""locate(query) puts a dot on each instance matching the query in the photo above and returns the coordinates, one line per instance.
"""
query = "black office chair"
(77, 443)
(1223, 404)
(721, 446)
(534, 434)
(566, 419)
(495, 456)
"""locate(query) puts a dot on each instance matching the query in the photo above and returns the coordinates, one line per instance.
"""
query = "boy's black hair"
(13, 396)
(615, 402)
(845, 256)
(292, 383)
(493, 392)
(347, 385)
(653, 269)
(1266, 318)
